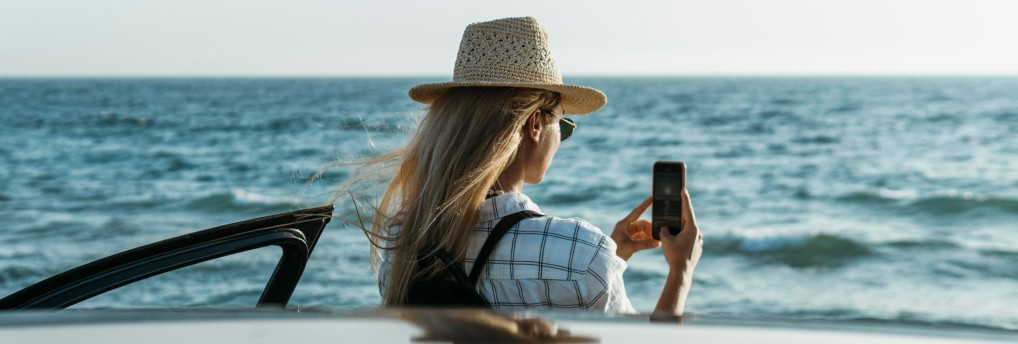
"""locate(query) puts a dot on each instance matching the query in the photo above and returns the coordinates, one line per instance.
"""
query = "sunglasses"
(566, 126)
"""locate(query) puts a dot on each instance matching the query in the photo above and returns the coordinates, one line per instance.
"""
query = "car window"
(234, 281)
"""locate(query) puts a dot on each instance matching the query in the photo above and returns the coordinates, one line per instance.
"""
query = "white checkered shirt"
(543, 263)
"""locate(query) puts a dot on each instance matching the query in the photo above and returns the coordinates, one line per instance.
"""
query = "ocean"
(886, 198)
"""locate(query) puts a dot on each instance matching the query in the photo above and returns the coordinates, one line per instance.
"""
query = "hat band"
(503, 74)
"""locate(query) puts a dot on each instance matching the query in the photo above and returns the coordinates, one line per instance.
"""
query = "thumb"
(667, 236)
(649, 243)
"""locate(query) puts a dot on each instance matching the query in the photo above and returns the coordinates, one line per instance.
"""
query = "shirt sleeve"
(605, 290)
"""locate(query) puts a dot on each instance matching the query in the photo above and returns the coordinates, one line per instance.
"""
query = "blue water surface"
(851, 198)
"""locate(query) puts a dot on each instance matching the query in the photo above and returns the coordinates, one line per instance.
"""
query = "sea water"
(889, 199)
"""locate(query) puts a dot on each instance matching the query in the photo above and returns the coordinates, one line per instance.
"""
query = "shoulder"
(558, 248)
(597, 244)
(572, 229)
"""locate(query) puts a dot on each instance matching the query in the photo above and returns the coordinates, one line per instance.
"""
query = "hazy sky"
(329, 38)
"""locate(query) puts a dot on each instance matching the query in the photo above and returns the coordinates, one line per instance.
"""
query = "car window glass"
(229, 282)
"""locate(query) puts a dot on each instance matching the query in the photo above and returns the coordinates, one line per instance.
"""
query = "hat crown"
(506, 50)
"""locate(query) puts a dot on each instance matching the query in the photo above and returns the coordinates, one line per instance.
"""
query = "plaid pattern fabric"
(544, 263)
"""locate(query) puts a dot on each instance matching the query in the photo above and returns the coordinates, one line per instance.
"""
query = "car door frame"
(296, 233)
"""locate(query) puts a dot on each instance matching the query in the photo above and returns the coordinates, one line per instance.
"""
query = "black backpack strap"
(501, 228)
(453, 268)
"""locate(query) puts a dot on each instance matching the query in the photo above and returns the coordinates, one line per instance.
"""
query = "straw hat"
(511, 52)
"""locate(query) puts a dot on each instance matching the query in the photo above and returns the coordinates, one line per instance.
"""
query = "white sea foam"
(767, 239)
(901, 195)
(241, 197)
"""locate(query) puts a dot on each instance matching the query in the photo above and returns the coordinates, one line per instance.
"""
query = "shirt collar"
(505, 204)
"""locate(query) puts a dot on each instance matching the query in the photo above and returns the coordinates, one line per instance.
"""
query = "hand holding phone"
(632, 234)
(669, 181)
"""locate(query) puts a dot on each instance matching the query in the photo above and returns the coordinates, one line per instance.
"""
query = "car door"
(296, 233)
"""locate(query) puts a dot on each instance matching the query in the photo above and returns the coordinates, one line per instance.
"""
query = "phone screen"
(669, 180)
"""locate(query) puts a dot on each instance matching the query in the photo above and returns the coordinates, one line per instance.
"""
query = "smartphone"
(669, 181)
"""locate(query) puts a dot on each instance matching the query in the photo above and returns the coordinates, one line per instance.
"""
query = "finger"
(639, 230)
(648, 244)
(640, 209)
(642, 235)
(689, 233)
(640, 227)
(667, 236)
(688, 216)
(636, 229)
(631, 229)
(536, 328)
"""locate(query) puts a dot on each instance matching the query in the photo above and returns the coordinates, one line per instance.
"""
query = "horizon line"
(436, 76)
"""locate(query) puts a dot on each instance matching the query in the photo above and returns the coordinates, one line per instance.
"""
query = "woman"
(494, 128)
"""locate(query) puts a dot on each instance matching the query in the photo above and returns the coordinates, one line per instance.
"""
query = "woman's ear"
(534, 126)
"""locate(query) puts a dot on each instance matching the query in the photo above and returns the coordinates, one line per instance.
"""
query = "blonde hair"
(436, 184)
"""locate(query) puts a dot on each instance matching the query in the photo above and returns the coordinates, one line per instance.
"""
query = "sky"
(588, 38)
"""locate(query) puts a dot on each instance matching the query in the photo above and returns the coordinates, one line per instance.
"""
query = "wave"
(923, 244)
(13, 275)
(106, 118)
(816, 139)
(246, 201)
(824, 250)
(784, 101)
(575, 196)
(880, 196)
(794, 249)
(952, 202)
(846, 107)
(964, 203)
(383, 127)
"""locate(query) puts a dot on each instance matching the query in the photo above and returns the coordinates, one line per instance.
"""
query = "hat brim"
(577, 100)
